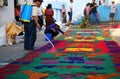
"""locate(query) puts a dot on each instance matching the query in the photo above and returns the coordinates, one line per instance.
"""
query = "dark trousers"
(70, 16)
(40, 20)
(51, 32)
(30, 35)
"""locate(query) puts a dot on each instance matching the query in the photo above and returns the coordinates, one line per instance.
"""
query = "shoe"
(29, 49)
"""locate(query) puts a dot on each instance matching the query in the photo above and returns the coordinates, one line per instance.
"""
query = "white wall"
(28, 1)
(7, 13)
(78, 7)
(6, 16)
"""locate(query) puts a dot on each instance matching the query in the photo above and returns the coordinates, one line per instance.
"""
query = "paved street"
(81, 55)
(11, 53)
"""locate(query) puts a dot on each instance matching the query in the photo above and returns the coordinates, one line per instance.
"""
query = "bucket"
(49, 36)
(26, 12)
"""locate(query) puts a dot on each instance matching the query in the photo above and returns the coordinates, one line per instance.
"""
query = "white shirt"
(113, 8)
(70, 5)
(41, 8)
(35, 11)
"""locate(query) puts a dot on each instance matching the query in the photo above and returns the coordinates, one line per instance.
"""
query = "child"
(63, 14)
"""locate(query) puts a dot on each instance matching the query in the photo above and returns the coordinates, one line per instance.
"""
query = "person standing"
(112, 12)
(63, 14)
(30, 27)
(41, 15)
(17, 12)
(70, 12)
(87, 12)
(93, 12)
(49, 15)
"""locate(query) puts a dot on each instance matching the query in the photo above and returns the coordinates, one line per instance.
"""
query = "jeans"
(94, 18)
(70, 16)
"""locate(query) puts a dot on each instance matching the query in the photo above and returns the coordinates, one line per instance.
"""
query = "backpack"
(26, 12)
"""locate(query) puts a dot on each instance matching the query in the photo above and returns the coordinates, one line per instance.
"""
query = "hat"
(59, 24)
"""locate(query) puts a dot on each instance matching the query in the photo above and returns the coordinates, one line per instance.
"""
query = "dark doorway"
(15, 2)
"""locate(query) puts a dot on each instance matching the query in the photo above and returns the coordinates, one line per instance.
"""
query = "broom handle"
(48, 39)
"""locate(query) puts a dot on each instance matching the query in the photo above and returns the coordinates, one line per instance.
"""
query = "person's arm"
(60, 31)
(36, 21)
(35, 16)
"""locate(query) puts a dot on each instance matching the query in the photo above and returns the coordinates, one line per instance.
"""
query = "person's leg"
(70, 18)
(30, 36)
(26, 37)
(113, 18)
(54, 34)
(96, 18)
(51, 32)
(91, 18)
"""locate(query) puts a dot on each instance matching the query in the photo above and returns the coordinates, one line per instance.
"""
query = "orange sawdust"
(78, 50)
(102, 76)
(35, 75)
(106, 34)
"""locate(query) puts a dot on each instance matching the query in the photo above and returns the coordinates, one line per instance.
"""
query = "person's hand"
(65, 34)
(38, 26)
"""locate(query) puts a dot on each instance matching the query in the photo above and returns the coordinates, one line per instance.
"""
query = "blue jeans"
(70, 16)
(94, 17)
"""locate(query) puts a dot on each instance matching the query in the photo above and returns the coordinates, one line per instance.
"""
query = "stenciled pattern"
(84, 54)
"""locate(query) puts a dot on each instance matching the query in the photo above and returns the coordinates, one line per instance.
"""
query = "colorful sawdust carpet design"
(85, 54)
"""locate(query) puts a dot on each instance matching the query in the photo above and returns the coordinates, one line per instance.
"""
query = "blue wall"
(105, 13)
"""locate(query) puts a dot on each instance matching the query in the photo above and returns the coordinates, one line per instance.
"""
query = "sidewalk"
(11, 53)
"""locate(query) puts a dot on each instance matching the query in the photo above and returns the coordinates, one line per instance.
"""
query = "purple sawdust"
(68, 78)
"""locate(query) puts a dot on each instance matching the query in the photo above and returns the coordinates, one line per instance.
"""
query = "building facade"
(7, 11)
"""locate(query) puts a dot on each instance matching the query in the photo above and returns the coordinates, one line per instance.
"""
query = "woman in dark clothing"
(54, 29)
(49, 15)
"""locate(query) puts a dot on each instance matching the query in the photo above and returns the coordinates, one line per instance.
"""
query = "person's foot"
(29, 48)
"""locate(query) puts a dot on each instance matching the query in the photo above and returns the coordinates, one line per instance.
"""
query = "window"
(3, 3)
